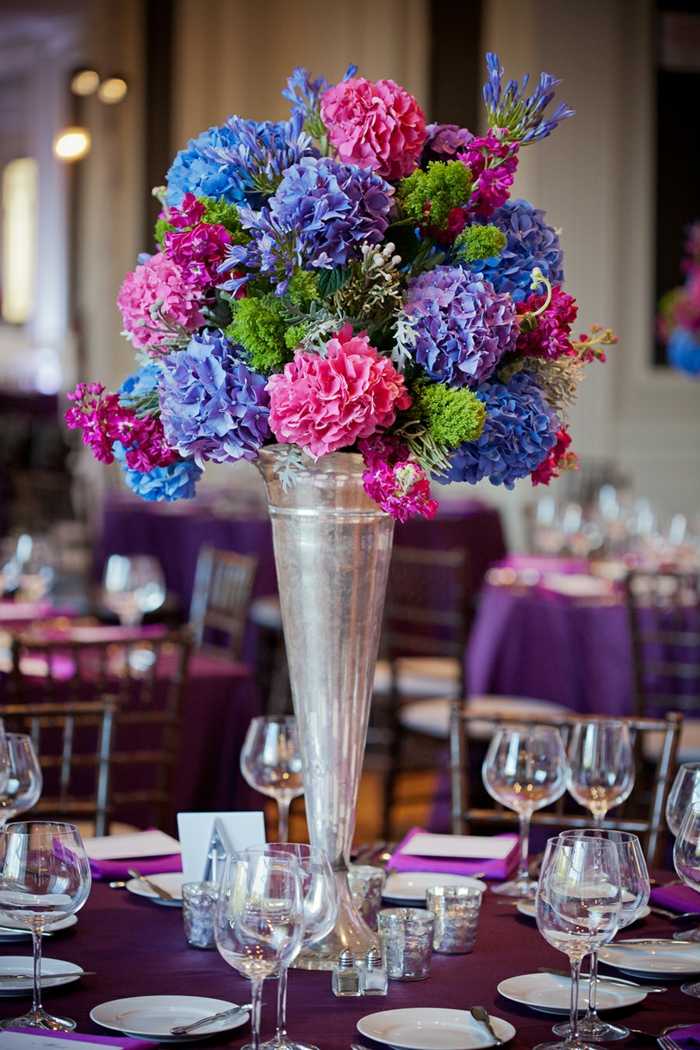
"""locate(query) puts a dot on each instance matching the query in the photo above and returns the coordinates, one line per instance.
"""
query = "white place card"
(195, 829)
(136, 845)
(470, 847)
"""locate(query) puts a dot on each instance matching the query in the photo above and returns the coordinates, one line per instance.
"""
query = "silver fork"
(666, 1043)
(185, 1029)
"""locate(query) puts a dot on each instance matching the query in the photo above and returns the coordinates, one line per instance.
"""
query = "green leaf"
(330, 281)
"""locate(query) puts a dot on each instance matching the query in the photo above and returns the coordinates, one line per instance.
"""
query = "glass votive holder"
(406, 935)
(198, 910)
(366, 887)
(456, 911)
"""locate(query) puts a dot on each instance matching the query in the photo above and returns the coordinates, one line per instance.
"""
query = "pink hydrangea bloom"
(157, 304)
(402, 490)
(375, 125)
(326, 403)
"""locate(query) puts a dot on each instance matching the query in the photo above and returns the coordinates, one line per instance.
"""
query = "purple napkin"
(687, 1038)
(676, 898)
(491, 869)
(121, 1042)
(119, 869)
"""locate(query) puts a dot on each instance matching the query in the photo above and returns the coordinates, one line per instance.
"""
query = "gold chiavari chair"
(223, 586)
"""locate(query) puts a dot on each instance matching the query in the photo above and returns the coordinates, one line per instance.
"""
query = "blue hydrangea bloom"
(196, 169)
(213, 407)
(520, 430)
(163, 484)
(683, 350)
(530, 242)
(141, 383)
(319, 217)
(460, 326)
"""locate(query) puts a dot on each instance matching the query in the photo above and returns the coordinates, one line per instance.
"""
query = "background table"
(138, 948)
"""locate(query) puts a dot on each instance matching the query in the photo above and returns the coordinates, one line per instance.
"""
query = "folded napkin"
(676, 898)
(119, 869)
(543, 563)
(490, 869)
(687, 1038)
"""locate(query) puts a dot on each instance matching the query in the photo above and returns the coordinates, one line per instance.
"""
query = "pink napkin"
(687, 1038)
(119, 869)
(122, 1042)
(676, 898)
(491, 869)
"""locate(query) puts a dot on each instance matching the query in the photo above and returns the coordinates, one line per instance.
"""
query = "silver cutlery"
(185, 1029)
(481, 1014)
(666, 1043)
(652, 988)
(158, 890)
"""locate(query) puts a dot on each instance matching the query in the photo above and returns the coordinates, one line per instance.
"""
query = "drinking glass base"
(568, 1044)
(40, 1019)
(688, 935)
(691, 988)
(595, 1029)
(286, 1044)
(517, 888)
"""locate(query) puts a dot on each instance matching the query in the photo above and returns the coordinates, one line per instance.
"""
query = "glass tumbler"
(198, 913)
(366, 887)
(406, 935)
(456, 910)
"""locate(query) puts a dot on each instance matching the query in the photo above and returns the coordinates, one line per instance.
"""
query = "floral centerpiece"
(679, 313)
(354, 279)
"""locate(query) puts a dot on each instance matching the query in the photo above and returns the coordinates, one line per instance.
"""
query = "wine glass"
(132, 587)
(44, 877)
(4, 758)
(22, 789)
(684, 791)
(271, 763)
(525, 770)
(686, 861)
(578, 909)
(635, 888)
(259, 921)
(320, 906)
(601, 765)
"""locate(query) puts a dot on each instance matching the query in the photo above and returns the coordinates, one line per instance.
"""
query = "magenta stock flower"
(402, 490)
(374, 125)
(158, 306)
(198, 252)
(327, 403)
(104, 421)
(493, 164)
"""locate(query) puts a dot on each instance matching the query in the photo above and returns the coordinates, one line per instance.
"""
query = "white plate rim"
(637, 995)
(504, 1029)
(630, 966)
(11, 933)
(438, 878)
(20, 988)
(140, 889)
(217, 1005)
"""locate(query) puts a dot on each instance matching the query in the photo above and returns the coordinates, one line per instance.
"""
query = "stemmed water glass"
(684, 792)
(320, 907)
(4, 758)
(259, 920)
(132, 587)
(686, 861)
(601, 765)
(578, 907)
(44, 877)
(525, 770)
(271, 763)
(22, 788)
(635, 888)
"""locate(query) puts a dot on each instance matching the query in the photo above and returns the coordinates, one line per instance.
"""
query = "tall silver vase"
(332, 550)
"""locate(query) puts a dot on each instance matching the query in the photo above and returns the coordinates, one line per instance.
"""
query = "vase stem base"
(350, 931)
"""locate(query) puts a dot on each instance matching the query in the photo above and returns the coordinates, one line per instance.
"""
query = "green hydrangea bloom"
(225, 214)
(479, 242)
(303, 288)
(259, 326)
(451, 416)
(429, 196)
(294, 335)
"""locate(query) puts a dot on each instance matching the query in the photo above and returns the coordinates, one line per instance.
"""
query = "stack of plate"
(408, 888)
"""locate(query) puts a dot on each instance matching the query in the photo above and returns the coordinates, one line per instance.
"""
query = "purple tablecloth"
(137, 948)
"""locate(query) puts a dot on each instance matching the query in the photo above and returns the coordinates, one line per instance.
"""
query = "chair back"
(73, 742)
(664, 617)
(144, 678)
(223, 584)
(643, 813)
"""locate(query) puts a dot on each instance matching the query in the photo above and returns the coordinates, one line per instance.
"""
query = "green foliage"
(429, 196)
(451, 416)
(225, 214)
(259, 325)
(330, 281)
(479, 242)
(161, 228)
(303, 288)
(295, 335)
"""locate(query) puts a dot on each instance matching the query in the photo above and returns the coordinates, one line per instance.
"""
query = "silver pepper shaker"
(375, 979)
(346, 976)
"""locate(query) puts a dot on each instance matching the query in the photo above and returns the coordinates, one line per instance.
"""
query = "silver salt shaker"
(375, 978)
(346, 976)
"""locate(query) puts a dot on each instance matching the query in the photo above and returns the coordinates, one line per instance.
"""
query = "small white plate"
(171, 882)
(529, 909)
(655, 957)
(431, 1028)
(152, 1016)
(53, 973)
(20, 933)
(409, 886)
(550, 994)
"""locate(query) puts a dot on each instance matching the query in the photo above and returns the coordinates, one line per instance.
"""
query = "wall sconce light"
(72, 143)
(84, 81)
(112, 90)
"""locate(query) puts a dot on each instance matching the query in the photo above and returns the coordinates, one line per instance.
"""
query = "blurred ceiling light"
(112, 90)
(85, 82)
(72, 143)
(18, 225)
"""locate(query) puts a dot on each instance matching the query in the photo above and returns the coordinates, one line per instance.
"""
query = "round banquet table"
(138, 948)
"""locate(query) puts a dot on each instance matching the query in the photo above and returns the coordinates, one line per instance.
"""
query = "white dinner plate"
(20, 933)
(53, 973)
(409, 887)
(431, 1028)
(550, 994)
(653, 957)
(171, 882)
(152, 1016)
(529, 908)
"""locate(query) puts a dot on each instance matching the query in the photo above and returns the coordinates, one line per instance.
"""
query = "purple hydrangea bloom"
(683, 350)
(531, 242)
(444, 140)
(212, 406)
(519, 432)
(460, 325)
(319, 217)
(163, 484)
